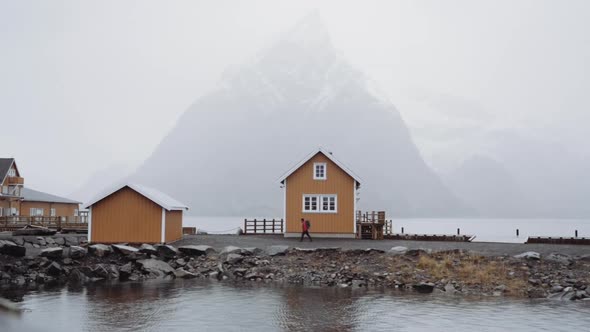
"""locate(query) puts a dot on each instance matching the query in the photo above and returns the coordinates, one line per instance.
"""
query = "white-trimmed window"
(75, 212)
(13, 211)
(1, 211)
(319, 171)
(52, 212)
(11, 172)
(320, 203)
(5, 190)
(36, 212)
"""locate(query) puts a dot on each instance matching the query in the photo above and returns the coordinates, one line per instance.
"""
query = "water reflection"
(183, 305)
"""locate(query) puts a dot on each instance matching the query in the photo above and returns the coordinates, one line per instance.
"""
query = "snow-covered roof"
(152, 194)
(39, 196)
(329, 156)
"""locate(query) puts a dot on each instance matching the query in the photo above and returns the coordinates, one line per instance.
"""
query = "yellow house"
(133, 213)
(324, 191)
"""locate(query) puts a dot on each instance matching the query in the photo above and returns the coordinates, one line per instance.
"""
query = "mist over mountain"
(228, 149)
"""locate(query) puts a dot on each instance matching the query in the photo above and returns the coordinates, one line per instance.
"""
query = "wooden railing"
(388, 229)
(257, 226)
(15, 180)
(10, 223)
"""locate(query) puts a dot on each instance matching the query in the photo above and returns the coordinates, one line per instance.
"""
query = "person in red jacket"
(305, 230)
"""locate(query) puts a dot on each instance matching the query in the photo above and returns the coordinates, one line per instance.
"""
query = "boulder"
(49, 240)
(398, 250)
(125, 271)
(78, 277)
(72, 240)
(529, 255)
(166, 251)
(101, 271)
(184, 274)
(559, 258)
(56, 252)
(60, 240)
(277, 250)
(41, 241)
(156, 267)
(356, 283)
(251, 251)
(76, 252)
(567, 294)
(417, 252)
(234, 258)
(124, 250)
(11, 249)
(54, 269)
(180, 262)
(192, 250)
(231, 250)
(148, 249)
(18, 240)
(450, 289)
(100, 250)
(424, 287)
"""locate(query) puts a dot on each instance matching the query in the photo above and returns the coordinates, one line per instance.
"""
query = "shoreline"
(457, 271)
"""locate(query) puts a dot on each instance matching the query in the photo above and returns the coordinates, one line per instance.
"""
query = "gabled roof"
(39, 196)
(154, 195)
(329, 156)
(5, 164)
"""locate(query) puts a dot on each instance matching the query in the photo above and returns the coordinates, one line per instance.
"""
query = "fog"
(88, 90)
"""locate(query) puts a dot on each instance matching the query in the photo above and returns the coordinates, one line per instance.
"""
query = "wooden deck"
(63, 224)
(430, 237)
(558, 240)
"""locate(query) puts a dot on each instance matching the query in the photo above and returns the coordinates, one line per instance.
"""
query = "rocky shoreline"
(71, 260)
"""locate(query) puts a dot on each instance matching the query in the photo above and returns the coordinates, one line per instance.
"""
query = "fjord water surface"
(197, 305)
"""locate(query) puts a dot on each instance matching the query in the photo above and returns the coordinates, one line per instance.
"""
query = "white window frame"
(76, 212)
(5, 190)
(12, 172)
(52, 212)
(36, 212)
(315, 171)
(319, 203)
(1, 211)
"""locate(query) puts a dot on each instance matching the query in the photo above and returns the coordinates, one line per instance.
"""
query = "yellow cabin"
(324, 191)
(132, 213)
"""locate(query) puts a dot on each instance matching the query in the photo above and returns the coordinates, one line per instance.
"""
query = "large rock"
(231, 250)
(184, 274)
(251, 251)
(530, 255)
(76, 276)
(234, 258)
(277, 250)
(72, 241)
(424, 287)
(124, 250)
(60, 240)
(11, 249)
(398, 250)
(18, 240)
(76, 252)
(41, 241)
(148, 249)
(156, 267)
(100, 250)
(54, 269)
(56, 252)
(125, 271)
(559, 258)
(567, 294)
(192, 250)
(166, 251)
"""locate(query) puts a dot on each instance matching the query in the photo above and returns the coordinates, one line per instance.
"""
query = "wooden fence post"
(255, 226)
(245, 226)
(282, 222)
(264, 226)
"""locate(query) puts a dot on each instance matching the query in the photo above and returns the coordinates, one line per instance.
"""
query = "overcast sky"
(85, 85)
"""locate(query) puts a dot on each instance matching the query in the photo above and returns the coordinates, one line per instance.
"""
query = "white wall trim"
(354, 209)
(90, 225)
(285, 205)
(163, 239)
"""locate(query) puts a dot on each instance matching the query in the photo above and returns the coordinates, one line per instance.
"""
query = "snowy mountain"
(229, 148)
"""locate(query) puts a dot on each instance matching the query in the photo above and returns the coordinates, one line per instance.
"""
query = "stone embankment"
(450, 272)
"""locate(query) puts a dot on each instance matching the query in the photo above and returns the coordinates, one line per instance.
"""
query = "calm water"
(485, 230)
(206, 306)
